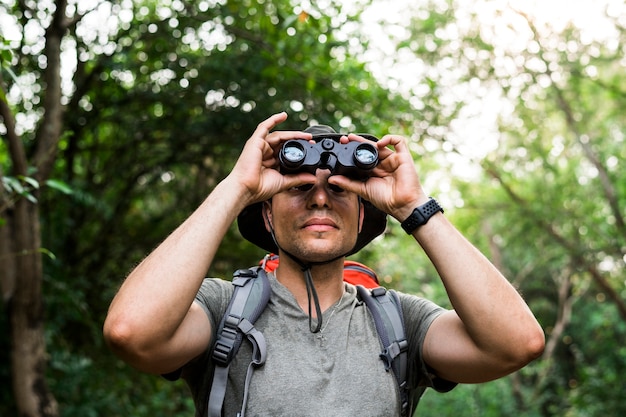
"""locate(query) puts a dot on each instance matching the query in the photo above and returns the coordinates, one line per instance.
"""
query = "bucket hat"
(252, 226)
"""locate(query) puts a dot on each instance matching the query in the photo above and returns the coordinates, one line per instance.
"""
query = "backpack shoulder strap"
(250, 296)
(384, 305)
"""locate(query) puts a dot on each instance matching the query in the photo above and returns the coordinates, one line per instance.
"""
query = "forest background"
(118, 117)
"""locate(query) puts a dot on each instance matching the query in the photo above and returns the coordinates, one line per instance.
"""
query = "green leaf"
(60, 186)
(13, 75)
(48, 253)
(12, 185)
(30, 180)
(5, 56)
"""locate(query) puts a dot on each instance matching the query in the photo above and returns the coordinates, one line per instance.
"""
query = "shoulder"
(213, 296)
(216, 285)
(419, 313)
(215, 288)
(415, 305)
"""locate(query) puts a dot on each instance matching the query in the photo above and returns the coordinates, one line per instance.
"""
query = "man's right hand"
(257, 167)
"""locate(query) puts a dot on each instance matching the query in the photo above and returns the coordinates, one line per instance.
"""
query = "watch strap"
(421, 215)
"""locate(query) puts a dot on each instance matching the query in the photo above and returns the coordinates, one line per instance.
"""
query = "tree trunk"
(20, 237)
(25, 309)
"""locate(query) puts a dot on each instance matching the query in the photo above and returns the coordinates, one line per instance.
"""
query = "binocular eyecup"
(353, 159)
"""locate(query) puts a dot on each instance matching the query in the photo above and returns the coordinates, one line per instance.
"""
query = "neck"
(327, 279)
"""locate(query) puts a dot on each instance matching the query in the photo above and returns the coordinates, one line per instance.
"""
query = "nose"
(318, 196)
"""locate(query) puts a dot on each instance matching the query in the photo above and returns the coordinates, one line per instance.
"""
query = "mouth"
(320, 224)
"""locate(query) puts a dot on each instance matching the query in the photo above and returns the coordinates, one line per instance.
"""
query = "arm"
(491, 331)
(153, 322)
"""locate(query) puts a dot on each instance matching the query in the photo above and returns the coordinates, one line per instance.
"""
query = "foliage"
(547, 205)
(158, 103)
(161, 95)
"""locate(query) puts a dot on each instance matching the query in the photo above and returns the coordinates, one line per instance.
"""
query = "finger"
(399, 143)
(296, 180)
(269, 158)
(279, 136)
(357, 138)
(383, 151)
(357, 187)
(264, 128)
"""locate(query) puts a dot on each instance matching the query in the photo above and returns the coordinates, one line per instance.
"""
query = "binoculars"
(353, 159)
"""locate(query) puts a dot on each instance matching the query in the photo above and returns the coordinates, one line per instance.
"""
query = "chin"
(321, 252)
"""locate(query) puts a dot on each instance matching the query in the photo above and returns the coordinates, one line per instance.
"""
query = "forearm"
(491, 331)
(155, 298)
(152, 322)
(492, 312)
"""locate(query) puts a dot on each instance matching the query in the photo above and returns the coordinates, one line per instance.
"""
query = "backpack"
(251, 294)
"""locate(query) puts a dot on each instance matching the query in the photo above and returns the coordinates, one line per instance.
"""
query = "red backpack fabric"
(354, 273)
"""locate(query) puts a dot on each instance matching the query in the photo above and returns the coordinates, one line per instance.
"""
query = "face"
(315, 222)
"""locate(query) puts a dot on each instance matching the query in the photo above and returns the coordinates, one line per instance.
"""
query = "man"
(322, 360)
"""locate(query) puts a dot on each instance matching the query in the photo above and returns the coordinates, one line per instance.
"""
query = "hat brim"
(336, 136)
(252, 227)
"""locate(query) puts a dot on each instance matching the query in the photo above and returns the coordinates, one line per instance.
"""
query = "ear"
(267, 215)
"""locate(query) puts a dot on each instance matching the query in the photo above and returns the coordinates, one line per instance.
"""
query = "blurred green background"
(117, 119)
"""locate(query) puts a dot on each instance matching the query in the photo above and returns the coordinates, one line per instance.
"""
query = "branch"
(564, 314)
(14, 143)
(607, 289)
(574, 252)
(49, 132)
(607, 186)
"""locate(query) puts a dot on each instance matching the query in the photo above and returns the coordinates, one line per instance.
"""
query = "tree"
(548, 205)
(135, 120)
(20, 239)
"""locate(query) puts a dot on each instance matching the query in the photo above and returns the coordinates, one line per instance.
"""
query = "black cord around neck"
(308, 279)
(312, 293)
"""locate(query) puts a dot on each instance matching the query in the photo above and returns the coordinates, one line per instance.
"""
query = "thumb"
(296, 180)
(353, 186)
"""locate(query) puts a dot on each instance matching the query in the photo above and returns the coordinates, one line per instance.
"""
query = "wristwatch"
(421, 215)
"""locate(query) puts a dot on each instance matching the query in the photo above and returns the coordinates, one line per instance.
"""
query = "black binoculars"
(353, 159)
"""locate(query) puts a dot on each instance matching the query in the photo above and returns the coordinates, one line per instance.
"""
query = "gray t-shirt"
(334, 372)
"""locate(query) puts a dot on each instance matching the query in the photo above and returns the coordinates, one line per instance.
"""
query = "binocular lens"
(293, 153)
(366, 155)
